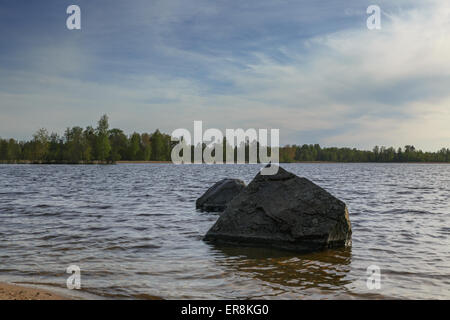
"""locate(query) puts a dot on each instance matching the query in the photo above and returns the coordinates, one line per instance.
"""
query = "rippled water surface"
(135, 233)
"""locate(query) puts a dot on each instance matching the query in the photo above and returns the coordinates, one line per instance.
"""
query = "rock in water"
(220, 194)
(286, 212)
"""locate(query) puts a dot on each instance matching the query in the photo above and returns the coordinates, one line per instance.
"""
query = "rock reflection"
(325, 270)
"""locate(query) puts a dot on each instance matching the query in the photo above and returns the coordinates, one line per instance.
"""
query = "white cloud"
(386, 86)
(368, 87)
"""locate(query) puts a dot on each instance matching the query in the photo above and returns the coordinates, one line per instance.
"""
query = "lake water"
(135, 233)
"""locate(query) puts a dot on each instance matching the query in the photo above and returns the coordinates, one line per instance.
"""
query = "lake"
(135, 233)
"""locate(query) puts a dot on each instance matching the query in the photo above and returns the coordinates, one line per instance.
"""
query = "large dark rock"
(283, 211)
(220, 194)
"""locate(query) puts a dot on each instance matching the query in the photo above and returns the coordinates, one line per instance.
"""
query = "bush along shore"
(102, 145)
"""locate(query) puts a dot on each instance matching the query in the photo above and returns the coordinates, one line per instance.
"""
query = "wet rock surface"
(220, 194)
(286, 212)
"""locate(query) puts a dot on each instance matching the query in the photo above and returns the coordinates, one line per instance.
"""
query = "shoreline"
(11, 291)
(170, 162)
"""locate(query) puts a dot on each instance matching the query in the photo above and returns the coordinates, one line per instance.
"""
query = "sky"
(311, 69)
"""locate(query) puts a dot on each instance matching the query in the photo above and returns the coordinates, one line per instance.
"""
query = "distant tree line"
(104, 145)
(314, 152)
(89, 145)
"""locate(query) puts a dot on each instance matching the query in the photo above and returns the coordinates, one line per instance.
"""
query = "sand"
(16, 292)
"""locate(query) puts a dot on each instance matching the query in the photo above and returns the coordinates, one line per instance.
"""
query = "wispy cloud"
(314, 71)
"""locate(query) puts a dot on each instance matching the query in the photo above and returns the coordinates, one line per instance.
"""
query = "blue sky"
(310, 68)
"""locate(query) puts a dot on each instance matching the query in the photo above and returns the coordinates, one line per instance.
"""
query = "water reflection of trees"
(326, 270)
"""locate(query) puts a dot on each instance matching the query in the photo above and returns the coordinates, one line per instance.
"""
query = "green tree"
(103, 147)
(134, 146)
(40, 145)
(75, 145)
(14, 150)
(157, 144)
(146, 146)
(90, 140)
(56, 148)
(119, 143)
(3, 150)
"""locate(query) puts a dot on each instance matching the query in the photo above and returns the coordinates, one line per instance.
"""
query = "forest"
(105, 145)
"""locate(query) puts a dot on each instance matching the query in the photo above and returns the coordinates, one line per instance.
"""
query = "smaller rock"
(219, 195)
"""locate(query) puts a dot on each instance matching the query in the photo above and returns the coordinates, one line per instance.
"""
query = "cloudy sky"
(310, 68)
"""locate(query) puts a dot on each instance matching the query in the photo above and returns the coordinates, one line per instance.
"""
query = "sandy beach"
(16, 292)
